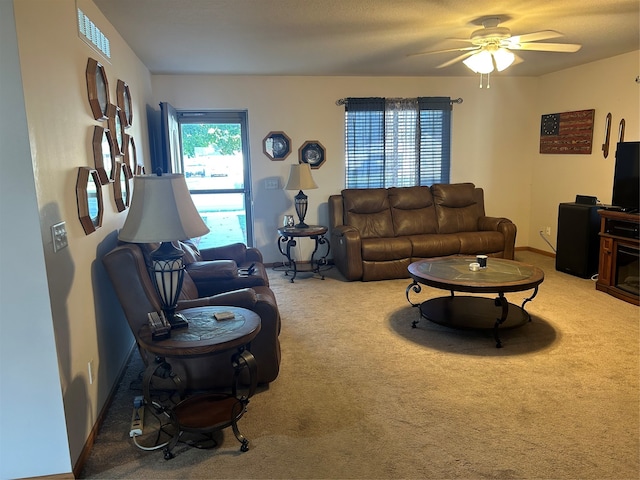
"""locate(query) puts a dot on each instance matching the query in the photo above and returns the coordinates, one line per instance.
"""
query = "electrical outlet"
(271, 184)
(547, 231)
(59, 235)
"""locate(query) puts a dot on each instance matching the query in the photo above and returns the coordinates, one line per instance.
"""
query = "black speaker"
(578, 242)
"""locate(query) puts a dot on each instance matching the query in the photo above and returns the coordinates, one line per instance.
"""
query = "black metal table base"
(474, 313)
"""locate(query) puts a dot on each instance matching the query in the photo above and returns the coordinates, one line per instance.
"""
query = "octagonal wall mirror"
(97, 89)
(121, 186)
(89, 199)
(115, 126)
(130, 154)
(123, 96)
(103, 155)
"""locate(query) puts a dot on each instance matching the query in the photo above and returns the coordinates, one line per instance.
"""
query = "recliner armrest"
(238, 252)
(346, 246)
(214, 269)
(244, 298)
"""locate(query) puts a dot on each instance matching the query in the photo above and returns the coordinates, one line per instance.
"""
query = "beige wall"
(87, 327)
(489, 127)
(606, 86)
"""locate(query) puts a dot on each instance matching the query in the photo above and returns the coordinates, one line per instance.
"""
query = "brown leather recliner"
(128, 272)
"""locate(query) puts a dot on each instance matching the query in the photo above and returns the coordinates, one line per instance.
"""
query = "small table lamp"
(162, 211)
(300, 178)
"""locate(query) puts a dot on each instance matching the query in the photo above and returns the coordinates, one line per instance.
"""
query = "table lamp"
(162, 211)
(300, 178)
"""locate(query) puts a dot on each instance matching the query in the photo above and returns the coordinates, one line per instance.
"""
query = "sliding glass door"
(214, 158)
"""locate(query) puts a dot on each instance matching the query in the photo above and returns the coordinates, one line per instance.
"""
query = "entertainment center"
(619, 259)
(619, 255)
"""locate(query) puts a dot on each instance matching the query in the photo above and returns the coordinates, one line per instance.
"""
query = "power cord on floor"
(548, 243)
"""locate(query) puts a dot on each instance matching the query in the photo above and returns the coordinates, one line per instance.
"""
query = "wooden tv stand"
(617, 229)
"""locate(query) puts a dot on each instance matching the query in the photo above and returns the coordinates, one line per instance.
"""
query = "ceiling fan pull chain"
(480, 80)
(488, 80)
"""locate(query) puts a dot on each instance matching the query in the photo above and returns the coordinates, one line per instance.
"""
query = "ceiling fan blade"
(535, 36)
(455, 60)
(547, 47)
(443, 51)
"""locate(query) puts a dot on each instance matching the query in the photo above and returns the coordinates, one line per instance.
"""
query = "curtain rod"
(342, 101)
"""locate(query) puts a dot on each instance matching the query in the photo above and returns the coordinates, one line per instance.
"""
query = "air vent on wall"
(92, 34)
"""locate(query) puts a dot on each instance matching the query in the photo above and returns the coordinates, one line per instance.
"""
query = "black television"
(626, 177)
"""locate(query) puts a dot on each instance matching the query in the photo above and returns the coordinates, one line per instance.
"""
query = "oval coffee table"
(473, 312)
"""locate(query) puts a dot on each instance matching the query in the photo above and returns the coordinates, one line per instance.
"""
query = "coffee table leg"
(535, 292)
(500, 302)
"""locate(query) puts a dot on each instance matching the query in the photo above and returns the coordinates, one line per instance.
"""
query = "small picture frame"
(313, 153)
(276, 145)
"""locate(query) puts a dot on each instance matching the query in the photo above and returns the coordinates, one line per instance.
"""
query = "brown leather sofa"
(376, 233)
(127, 270)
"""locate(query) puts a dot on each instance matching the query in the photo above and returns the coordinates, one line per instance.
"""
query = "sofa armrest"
(504, 226)
(346, 246)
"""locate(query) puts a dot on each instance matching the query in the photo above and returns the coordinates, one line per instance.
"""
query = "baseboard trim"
(88, 445)
(536, 250)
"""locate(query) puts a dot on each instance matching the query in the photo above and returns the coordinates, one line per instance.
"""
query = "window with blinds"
(397, 142)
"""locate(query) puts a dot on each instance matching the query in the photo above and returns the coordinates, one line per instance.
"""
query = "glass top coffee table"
(474, 312)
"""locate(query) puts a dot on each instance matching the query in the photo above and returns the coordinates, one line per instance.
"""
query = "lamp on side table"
(162, 211)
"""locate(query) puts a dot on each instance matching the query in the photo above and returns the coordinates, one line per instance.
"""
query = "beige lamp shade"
(300, 178)
(161, 211)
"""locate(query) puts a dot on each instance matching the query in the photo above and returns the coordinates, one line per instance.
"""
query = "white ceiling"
(358, 37)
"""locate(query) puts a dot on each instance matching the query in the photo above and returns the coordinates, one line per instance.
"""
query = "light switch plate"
(59, 235)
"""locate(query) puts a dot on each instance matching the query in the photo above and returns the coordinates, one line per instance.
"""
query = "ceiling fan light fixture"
(480, 62)
(503, 57)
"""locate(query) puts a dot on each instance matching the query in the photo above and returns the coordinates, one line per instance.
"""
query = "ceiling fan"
(491, 47)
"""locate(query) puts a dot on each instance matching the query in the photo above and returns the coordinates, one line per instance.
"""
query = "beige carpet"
(363, 395)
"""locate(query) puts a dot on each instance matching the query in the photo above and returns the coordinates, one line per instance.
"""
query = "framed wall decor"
(313, 153)
(276, 145)
(121, 186)
(103, 154)
(89, 199)
(567, 132)
(123, 99)
(116, 127)
(97, 89)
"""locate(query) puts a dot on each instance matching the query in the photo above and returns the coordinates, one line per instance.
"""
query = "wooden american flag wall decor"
(568, 132)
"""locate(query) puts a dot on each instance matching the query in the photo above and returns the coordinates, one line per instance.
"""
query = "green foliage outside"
(225, 139)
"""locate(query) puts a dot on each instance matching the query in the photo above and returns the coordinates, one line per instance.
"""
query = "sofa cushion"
(456, 207)
(412, 210)
(368, 211)
(453, 195)
(381, 249)
(434, 245)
